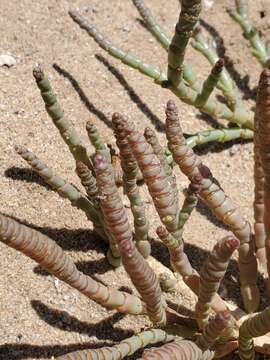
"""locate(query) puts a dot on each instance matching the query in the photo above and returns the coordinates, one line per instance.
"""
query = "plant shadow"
(87, 103)
(142, 106)
(242, 82)
(103, 330)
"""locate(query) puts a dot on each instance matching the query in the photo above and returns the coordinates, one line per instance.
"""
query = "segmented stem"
(152, 24)
(50, 256)
(256, 325)
(210, 83)
(185, 93)
(180, 350)
(88, 181)
(160, 36)
(262, 140)
(127, 58)
(211, 274)
(180, 263)
(226, 84)
(130, 174)
(221, 205)
(258, 204)
(142, 276)
(158, 150)
(239, 15)
(63, 188)
(191, 200)
(214, 329)
(125, 348)
(66, 130)
(158, 183)
(220, 135)
(96, 140)
(189, 15)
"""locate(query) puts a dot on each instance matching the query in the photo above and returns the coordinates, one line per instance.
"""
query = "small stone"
(7, 60)
(126, 29)
(208, 4)
(233, 150)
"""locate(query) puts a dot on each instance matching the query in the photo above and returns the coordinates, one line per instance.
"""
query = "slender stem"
(96, 140)
(66, 130)
(63, 188)
(239, 15)
(125, 348)
(210, 83)
(162, 38)
(220, 135)
(212, 107)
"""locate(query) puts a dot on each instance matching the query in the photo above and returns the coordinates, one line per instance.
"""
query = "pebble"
(208, 4)
(233, 150)
(7, 60)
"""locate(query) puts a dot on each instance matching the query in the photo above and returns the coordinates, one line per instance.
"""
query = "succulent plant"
(181, 79)
(218, 327)
(142, 157)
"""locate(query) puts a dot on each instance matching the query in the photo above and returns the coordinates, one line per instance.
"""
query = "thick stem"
(180, 350)
(221, 205)
(50, 256)
(256, 325)
(262, 140)
(161, 37)
(211, 274)
(258, 204)
(159, 184)
(180, 263)
(189, 15)
(142, 276)
(130, 174)
(125, 348)
(214, 329)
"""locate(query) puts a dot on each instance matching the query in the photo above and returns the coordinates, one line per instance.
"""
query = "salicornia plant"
(218, 327)
(180, 77)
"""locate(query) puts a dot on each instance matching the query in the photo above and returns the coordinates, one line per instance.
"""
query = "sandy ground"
(41, 317)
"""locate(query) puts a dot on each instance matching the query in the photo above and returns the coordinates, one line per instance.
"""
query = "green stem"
(226, 83)
(96, 140)
(250, 33)
(212, 107)
(219, 135)
(159, 34)
(210, 83)
(55, 112)
(125, 348)
(189, 15)
(63, 188)
(256, 325)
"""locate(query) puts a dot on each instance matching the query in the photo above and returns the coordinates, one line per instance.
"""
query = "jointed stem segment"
(55, 112)
(50, 256)
(188, 95)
